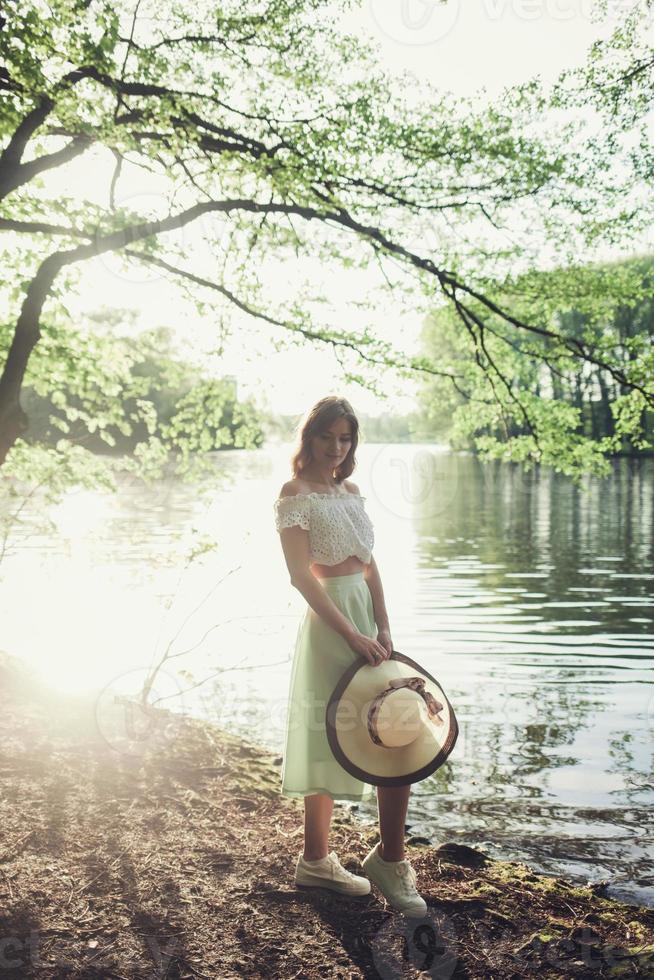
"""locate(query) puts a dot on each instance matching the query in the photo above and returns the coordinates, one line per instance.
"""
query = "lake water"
(532, 601)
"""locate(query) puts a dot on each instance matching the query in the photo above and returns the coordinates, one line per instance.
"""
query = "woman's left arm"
(372, 577)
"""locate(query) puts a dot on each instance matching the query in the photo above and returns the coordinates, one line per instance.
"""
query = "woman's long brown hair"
(317, 420)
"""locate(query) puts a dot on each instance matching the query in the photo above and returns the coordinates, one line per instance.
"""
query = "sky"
(474, 48)
(484, 45)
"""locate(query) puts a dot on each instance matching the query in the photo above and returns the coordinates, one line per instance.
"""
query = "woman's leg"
(317, 817)
(392, 802)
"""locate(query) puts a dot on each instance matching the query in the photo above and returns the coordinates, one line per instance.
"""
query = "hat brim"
(377, 764)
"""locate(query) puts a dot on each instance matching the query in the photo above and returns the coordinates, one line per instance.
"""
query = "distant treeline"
(111, 393)
(387, 427)
(517, 375)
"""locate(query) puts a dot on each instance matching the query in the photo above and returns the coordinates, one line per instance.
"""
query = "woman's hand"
(369, 648)
(384, 638)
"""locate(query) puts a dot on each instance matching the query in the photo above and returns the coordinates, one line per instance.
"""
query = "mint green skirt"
(321, 655)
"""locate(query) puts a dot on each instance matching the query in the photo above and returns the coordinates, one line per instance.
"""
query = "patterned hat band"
(395, 684)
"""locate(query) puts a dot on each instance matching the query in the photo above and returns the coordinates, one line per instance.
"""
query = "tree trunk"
(13, 420)
(608, 426)
(578, 402)
(557, 388)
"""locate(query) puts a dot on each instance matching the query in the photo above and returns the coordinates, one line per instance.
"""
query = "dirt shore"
(171, 855)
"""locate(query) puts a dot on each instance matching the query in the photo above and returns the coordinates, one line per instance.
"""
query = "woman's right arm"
(295, 544)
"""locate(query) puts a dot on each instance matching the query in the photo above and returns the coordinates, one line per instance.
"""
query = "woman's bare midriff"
(347, 567)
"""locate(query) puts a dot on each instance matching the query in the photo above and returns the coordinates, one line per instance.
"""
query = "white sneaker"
(328, 872)
(396, 880)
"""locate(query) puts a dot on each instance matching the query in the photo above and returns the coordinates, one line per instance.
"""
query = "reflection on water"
(531, 600)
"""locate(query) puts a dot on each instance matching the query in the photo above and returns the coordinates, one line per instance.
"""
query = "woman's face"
(331, 445)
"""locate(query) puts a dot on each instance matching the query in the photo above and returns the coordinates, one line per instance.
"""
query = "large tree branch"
(123, 87)
(41, 228)
(454, 202)
(13, 152)
(573, 345)
(13, 172)
(147, 229)
(313, 335)
(340, 216)
(446, 279)
(13, 420)
(480, 346)
(14, 176)
(198, 39)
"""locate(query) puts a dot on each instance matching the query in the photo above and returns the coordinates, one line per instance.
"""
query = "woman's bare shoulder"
(291, 488)
(351, 487)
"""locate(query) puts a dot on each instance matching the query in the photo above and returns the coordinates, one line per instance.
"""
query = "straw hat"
(392, 724)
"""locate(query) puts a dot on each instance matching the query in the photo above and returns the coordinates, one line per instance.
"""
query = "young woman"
(327, 539)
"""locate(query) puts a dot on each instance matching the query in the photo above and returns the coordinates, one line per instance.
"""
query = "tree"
(112, 392)
(559, 392)
(281, 135)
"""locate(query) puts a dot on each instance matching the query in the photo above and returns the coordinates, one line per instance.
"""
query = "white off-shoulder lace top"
(337, 523)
